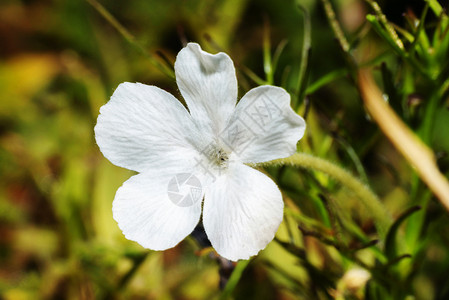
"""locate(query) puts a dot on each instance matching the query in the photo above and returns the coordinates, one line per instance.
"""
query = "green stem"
(234, 279)
(129, 37)
(267, 62)
(343, 42)
(306, 46)
(138, 260)
(336, 28)
(381, 216)
(383, 19)
(426, 127)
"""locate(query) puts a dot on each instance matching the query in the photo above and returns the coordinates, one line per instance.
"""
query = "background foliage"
(61, 60)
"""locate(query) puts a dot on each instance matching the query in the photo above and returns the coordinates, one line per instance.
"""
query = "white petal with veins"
(264, 126)
(242, 212)
(208, 84)
(146, 214)
(143, 127)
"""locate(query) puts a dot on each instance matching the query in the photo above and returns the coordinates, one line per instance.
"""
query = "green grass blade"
(234, 279)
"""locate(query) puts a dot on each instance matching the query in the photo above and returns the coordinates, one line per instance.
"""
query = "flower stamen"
(222, 157)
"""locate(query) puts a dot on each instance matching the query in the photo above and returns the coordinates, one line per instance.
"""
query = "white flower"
(146, 129)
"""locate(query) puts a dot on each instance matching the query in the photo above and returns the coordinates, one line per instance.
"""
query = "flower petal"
(144, 127)
(264, 126)
(208, 84)
(242, 212)
(147, 212)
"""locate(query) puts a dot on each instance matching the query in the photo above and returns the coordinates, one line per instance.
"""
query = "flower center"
(218, 156)
(221, 158)
(215, 160)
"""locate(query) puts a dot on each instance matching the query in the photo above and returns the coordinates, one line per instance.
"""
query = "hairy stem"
(331, 17)
(380, 215)
(383, 19)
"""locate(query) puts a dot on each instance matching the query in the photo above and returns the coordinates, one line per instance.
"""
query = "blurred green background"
(61, 60)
